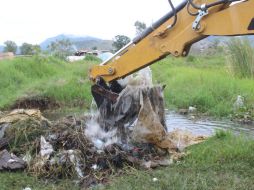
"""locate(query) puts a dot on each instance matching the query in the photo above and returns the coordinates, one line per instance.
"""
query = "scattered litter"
(27, 158)
(10, 161)
(3, 127)
(192, 109)
(155, 179)
(95, 167)
(239, 103)
(155, 163)
(46, 148)
(183, 111)
(27, 188)
(72, 156)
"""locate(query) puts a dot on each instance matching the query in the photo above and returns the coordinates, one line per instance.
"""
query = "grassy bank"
(203, 82)
(44, 76)
(222, 162)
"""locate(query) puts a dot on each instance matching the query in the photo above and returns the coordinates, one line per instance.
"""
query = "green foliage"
(222, 134)
(45, 76)
(190, 58)
(199, 81)
(21, 180)
(10, 46)
(92, 58)
(140, 27)
(61, 48)
(240, 58)
(202, 82)
(120, 41)
(29, 49)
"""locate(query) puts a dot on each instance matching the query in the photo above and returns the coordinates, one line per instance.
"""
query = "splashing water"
(97, 135)
(102, 138)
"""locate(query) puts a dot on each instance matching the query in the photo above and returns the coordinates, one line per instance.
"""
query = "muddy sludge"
(41, 103)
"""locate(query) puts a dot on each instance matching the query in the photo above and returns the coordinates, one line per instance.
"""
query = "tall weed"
(240, 58)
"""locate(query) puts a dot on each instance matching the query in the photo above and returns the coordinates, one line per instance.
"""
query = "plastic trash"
(9, 161)
(239, 103)
(46, 148)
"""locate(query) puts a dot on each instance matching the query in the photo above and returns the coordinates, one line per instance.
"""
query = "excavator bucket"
(103, 93)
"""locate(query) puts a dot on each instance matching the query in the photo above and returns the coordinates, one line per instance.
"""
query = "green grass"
(92, 58)
(222, 162)
(20, 180)
(47, 76)
(240, 57)
(202, 82)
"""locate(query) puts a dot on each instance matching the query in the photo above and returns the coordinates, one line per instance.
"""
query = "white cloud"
(34, 20)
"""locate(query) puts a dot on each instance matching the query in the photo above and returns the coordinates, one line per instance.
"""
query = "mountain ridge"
(79, 42)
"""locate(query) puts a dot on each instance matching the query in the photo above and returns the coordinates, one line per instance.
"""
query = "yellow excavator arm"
(174, 34)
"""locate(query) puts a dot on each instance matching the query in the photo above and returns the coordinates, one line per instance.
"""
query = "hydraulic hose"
(174, 12)
(191, 13)
(210, 4)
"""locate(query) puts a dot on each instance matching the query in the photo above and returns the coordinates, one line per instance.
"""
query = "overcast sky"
(33, 21)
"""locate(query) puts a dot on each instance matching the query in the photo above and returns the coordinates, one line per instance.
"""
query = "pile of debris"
(132, 133)
(65, 149)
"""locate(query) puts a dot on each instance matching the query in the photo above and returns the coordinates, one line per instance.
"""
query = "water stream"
(205, 126)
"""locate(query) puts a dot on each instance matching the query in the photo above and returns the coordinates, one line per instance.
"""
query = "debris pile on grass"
(93, 147)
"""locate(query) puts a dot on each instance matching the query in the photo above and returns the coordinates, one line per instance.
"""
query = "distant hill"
(80, 42)
(205, 45)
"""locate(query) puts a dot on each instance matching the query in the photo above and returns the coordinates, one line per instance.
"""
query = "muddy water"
(205, 126)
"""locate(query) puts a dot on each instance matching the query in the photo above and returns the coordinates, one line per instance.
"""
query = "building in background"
(7, 55)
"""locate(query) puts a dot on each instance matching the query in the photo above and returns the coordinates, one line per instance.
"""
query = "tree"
(29, 49)
(61, 48)
(36, 49)
(10, 46)
(140, 27)
(120, 41)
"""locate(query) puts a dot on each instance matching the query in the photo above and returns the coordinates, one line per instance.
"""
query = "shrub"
(92, 58)
(240, 58)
